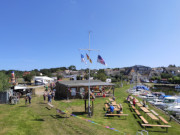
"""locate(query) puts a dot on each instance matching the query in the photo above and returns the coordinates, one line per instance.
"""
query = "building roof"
(76, 83)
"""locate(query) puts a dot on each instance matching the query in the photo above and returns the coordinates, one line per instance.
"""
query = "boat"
(156, 102)
(174, 109)
(158, 94)
(168, 101)
(149, 97)
(177, 87)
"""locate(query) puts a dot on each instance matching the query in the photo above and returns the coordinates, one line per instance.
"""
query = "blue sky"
(38, 34)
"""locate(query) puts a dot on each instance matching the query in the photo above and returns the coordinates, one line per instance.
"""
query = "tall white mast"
(89, 109)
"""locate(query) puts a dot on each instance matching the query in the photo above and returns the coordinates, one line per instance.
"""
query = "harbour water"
(166, 90)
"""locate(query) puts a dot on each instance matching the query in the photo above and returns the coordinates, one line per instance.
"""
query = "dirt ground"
(39, 91)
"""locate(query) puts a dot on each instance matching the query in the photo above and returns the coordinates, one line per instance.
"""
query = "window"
(73, 91)
(82, 92)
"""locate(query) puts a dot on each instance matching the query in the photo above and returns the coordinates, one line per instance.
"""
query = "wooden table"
(136, 100)
(153, 117)
(111, 100)
(138, 104)
(131, 97)
(113, 103)
(145, 109)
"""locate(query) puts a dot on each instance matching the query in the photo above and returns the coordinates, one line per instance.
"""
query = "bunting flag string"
(96, 123)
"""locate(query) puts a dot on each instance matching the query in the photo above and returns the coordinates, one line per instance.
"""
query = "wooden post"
(113, 91)
(92, 108)
(85, 105)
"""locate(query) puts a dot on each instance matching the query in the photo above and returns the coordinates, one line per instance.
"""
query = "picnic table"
(136, 100)
(114, 103)
(152, 116)
(154, 112)
(138, 104)
(145, 109)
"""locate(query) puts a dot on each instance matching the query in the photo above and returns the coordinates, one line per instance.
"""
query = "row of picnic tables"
(151, 113)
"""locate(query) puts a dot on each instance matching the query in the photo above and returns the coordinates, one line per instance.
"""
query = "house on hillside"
(79, 88)
(143, 70)
(172, 70)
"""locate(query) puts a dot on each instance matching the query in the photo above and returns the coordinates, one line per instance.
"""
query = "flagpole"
(89, 50)
(89, 109)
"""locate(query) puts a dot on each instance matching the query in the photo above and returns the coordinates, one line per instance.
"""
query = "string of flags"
(95, 123)
(99, 59)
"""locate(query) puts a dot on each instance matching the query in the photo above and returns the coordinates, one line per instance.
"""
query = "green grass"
(36, 119)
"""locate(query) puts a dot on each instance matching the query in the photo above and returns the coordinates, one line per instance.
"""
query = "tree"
(166, 75)
(59, 77)
(101, 76)
(4, 82)
(79, 77)
(72, 67)
(28, 77)
(172, 65)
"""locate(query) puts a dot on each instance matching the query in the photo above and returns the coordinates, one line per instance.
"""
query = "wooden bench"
(131, 102)
(150, 125)
(154, 112)
(143, 119)
(133, 107)
(163, 120)
(137, 112)
(116, 115)
(106, 106)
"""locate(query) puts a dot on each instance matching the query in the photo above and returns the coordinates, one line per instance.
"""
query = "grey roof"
(77, 83)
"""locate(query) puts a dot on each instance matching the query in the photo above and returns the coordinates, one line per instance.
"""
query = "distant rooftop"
(85, 83)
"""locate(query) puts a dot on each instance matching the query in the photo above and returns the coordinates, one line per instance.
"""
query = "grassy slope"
(37, 119)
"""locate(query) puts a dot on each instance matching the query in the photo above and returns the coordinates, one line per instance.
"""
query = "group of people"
(134, 101)
(50, 96)
(111, 109)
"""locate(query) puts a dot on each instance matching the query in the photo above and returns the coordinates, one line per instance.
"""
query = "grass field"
(36, 119)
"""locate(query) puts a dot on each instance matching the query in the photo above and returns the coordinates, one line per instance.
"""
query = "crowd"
(49, 95)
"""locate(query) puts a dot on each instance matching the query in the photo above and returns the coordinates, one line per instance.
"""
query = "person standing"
(49, 97)
(144, 103)
(26, 99)
(44, 96)
(29, 97)
(134, 102)
(53, 95)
